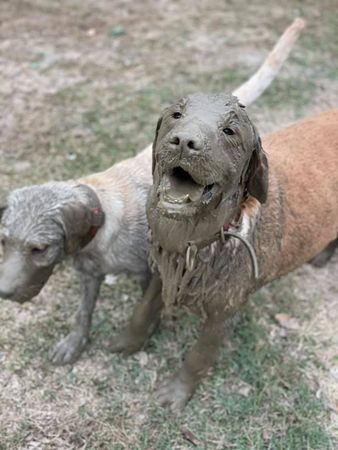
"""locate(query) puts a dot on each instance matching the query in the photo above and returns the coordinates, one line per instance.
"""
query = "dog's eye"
(176, 115)
(38, 250)
(228, 131)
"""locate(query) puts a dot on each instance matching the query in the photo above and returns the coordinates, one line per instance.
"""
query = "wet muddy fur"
(211, 173)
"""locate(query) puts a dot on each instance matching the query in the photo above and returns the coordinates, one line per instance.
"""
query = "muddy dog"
(227, 215)
(99, 221)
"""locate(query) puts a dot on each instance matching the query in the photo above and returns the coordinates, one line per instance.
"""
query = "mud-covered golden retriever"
(215, 185)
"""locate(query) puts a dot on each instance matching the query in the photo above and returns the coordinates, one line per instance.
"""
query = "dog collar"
(194, 246)
(94, 229)
(98, 215)
(226, 226)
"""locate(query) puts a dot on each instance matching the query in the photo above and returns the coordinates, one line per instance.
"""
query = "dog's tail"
(253, 88)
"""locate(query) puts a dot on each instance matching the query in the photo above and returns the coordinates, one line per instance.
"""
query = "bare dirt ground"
(81, 86)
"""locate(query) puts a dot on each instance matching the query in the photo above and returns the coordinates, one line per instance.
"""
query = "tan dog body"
(120, 242)
(301, 215)
(98, 220)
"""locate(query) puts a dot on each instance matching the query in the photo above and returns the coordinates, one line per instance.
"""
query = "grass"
(115, 132)
(293, 92)
(277, 409)
(99, 105)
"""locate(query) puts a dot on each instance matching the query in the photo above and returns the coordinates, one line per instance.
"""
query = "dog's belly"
(114, 261)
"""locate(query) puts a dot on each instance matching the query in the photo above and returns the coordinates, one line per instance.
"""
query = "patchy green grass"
(258, 396)
(78, 95)
(115, 132)
(296, 93)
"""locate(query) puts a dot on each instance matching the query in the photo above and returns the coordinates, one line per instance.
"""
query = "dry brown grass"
(79, 92)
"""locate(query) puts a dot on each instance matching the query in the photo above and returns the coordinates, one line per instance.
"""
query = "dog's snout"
(5, 293)
(185, 141)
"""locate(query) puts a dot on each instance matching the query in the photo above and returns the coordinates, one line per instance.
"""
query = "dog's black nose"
(185, 141)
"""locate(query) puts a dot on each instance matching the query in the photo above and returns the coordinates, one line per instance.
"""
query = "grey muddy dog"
(98, 220)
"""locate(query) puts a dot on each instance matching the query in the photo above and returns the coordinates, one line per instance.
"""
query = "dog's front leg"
(145, 318)
(70, 348)
(177, 390)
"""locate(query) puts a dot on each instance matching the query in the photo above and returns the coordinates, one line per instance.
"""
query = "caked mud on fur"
(193, 283)
(211, 171)
(207, 160)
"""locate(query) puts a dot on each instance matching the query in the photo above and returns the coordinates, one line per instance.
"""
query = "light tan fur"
(303, 166)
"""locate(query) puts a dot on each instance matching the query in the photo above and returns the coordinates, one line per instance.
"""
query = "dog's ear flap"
(80, 224)
(257, 180)
(158, 126)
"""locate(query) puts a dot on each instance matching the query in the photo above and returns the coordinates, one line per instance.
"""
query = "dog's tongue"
(182, 190)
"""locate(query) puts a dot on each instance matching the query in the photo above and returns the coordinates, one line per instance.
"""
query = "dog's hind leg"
(325, 255)
(144, 321)
(70, 348)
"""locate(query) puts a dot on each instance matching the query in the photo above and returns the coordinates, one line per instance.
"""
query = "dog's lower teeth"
(177, 200)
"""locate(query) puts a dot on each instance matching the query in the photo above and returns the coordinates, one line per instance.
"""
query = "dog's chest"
(211, 276)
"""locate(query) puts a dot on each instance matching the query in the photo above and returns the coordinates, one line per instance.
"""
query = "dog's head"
(206, 152)
(40, 226)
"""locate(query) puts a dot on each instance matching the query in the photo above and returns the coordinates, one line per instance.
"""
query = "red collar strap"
(97, 222)
(90, 200)
(226, 226)
(234, 220)
(98, 213)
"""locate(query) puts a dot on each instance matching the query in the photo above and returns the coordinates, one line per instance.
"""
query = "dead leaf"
(21, 166)
(287, 321)
(110, 279)
(244, 388)
(142, 358)
(334, 372)
(91, 32)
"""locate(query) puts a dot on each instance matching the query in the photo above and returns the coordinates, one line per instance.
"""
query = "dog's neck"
(174, 234)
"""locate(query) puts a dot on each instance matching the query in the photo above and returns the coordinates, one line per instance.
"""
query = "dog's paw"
(68, 350)
(175, 393)
(125, 343)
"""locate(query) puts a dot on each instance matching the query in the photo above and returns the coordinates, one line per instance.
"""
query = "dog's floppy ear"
(257, 180)
(158, 126)
(81, 223)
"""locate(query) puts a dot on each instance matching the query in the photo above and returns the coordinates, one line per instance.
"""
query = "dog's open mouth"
(179, 189)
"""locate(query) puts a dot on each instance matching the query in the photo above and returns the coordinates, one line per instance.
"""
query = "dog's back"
(130, 173)
(303, 192)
